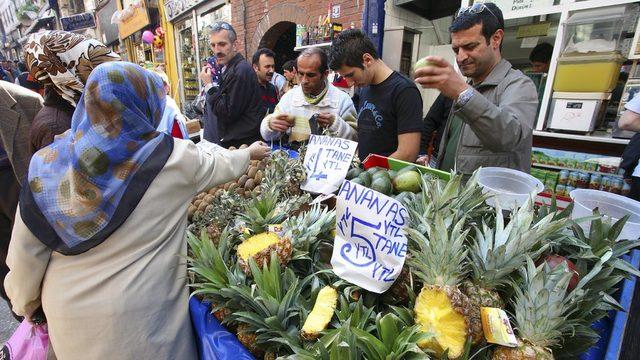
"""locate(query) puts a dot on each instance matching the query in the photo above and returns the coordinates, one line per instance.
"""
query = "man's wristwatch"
(464, 97)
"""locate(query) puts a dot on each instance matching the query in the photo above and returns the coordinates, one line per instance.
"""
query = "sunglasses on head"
(476, 8)
(221, 25)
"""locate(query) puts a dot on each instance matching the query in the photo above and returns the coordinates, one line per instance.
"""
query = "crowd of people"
(97, 170)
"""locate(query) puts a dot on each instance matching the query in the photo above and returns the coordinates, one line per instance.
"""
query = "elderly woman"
(62, 61)
(100, 234)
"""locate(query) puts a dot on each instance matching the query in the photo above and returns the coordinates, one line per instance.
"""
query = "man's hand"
(442, 76)
(259, 150)
(281, 123)
(326, 119)
(205, 75)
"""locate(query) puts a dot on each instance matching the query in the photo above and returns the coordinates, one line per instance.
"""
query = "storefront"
(190, 20)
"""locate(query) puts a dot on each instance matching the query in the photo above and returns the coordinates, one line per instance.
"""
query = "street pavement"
(8, 323)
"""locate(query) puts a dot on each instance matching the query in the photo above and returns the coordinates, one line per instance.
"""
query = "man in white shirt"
(315, 98)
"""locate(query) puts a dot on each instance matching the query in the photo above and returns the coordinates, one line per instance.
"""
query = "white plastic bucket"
(611, 206)
(509, 188)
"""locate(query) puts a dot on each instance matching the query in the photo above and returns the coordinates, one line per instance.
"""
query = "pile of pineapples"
(277, 292)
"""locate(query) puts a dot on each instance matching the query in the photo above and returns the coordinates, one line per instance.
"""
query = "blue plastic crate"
(612, 329)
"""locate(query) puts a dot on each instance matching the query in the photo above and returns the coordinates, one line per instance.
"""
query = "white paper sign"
(210, 148)
(370, 245)
(327, 161)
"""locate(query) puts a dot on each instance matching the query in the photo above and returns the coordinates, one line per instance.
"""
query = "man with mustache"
(315, 102)
(234, 106)
(493, 115)
(264, 65)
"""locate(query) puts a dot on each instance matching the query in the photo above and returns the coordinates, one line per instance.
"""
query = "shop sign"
(78, 22)
(370, 246)
(175, 8)
(519, 5)
(540, 29)
(326, 162)
(133, 16)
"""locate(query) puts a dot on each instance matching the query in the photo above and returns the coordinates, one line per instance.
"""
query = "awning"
(429, 9)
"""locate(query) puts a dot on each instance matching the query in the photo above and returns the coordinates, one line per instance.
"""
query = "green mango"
(374, 170)
(381, 174)
(392, 173)
(353, 173)
(358, 181)
(407, 181)
(366, 178)
(405, 169)
(382, 185)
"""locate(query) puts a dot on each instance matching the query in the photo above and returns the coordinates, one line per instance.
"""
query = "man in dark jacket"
(235, 104)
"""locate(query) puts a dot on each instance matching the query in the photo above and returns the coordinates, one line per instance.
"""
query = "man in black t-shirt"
(390, 106)
(264, 65)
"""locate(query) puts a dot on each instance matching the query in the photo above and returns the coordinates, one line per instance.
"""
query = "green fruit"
(353, 173)
(382, 185)
(381, 174)
(392, 173)
(375, 169)
(366, 178)
(407, 181)
(422, 63)
(358, 181)
(405, 169)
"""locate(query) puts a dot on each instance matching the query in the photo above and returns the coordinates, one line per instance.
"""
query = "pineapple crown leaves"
(542, 307)
(262, 211)
(499, 251)
(603, 238)
(209, 264)
(304, 229)
(441, 254)
(393, 339)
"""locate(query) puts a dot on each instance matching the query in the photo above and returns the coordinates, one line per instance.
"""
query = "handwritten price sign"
(327, 161)
(370, 245)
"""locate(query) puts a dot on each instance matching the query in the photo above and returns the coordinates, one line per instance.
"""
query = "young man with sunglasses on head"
(390, 105)
(234, 107)
(493, 115)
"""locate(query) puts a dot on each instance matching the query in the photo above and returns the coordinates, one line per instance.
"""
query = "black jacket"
(435, 121)
(236, 104)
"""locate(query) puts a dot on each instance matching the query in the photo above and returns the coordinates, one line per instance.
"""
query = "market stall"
(313, 255)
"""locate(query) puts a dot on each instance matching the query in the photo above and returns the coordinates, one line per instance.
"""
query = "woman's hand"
(259, 150)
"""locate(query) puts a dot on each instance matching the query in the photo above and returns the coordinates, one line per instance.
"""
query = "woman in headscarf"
(99, 240)
(62, 61)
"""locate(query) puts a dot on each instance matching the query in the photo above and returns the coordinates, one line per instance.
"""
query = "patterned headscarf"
(85, 184)
(65, 60)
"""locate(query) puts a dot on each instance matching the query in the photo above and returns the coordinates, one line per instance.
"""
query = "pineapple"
(321, 314)
(208, 266)
(268, 310)
(259, 248)
(262, 211)
(441, 308)
(542, 308)
(499, 251)
(248, 339)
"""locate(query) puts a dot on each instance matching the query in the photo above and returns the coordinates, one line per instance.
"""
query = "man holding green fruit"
(493, 115)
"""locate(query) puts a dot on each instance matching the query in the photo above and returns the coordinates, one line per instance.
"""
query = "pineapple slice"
(259, 247)
(440, 310)
(321, 314)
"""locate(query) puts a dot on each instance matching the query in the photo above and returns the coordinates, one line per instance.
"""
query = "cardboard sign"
(210, 148)
(327, 161)
(370, 245)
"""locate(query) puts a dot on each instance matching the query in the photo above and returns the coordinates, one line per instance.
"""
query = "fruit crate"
(612, 329)
(374, 160)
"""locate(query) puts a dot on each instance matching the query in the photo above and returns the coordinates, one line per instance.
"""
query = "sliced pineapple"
(259, 248)
(440, 310)
(321, 314)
